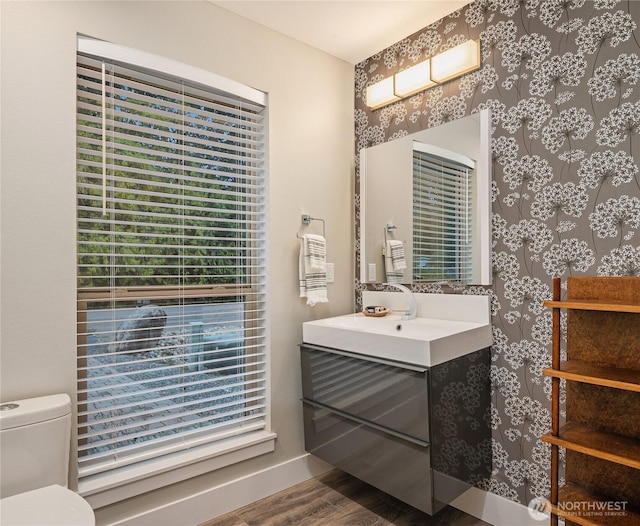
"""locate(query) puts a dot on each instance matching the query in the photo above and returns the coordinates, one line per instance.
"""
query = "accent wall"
(561, 79)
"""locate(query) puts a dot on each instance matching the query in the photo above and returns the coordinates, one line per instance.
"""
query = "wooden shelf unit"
(602, 432)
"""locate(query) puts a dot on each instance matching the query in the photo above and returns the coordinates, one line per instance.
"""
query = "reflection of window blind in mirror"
(442, 208)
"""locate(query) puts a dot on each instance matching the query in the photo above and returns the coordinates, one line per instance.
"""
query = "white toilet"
(34, 447)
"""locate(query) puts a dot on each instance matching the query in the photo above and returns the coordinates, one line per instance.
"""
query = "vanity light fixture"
(456, 61)
(440, 68)
(381, 93)
(414, 79)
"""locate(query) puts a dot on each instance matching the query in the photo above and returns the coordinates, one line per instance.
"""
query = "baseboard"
(495, 509)
(217, 501)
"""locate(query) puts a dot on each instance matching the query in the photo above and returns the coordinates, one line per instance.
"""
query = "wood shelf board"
(581, 508)
(597, 305)
(607, 446)
(618, 378)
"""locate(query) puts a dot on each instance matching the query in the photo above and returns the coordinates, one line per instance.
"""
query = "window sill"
(119, 484)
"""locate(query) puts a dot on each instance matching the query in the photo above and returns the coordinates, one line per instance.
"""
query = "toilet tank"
(35, 438)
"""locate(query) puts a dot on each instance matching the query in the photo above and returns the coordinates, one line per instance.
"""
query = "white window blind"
(171, 260)
(442, 209)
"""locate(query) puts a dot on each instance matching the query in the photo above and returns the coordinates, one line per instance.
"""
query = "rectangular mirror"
(425, 212)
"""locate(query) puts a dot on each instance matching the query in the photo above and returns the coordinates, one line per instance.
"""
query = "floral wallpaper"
(562, 79)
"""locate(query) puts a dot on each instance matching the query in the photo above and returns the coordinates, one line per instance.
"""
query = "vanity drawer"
(388, 394)
(392, 464)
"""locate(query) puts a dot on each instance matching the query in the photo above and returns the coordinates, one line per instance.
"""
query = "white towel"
(394, 262)
(395, 249)
(312, 269)
(315, 253)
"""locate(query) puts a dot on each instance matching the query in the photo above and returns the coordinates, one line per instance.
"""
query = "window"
(171, 259)
(442, 210)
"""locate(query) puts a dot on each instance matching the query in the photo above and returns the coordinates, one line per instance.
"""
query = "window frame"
(123, 482)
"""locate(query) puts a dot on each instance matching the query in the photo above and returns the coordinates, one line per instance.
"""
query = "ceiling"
(352, 30)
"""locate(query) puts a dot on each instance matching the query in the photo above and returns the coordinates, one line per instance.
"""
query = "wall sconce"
(440, 68)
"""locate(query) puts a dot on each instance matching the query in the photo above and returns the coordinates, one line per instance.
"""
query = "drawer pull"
(367, 423)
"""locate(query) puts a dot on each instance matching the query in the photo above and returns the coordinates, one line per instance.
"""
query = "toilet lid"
(51, 506)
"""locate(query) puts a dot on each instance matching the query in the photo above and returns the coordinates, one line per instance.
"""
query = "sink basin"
(421, 341)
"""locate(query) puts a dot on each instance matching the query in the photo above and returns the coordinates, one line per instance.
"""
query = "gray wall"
(562, 83)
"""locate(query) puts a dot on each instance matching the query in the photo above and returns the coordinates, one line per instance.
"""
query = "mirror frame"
(482, 216)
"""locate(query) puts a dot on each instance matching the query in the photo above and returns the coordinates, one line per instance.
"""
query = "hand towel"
(394, 266)
(315, 253)
(396, 249)
(312, 269)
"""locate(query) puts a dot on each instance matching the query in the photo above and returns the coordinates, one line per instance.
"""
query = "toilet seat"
(51, 505)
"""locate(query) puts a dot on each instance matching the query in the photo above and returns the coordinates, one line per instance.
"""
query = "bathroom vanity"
(385, 402)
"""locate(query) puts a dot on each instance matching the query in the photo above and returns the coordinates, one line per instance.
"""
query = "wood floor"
(337, 499)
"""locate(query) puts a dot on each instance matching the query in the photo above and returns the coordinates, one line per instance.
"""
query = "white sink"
(421, 341)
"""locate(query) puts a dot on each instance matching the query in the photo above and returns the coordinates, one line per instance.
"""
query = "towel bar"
(389, 228)
(306, 219)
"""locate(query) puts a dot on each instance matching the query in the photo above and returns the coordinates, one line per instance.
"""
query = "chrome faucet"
(411, 312)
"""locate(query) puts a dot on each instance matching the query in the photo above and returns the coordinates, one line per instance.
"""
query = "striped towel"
(394, 262)
(312, 269)
(315, 253)
(396, 250)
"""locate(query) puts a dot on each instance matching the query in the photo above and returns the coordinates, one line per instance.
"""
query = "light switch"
(331, 277)
(372, 272)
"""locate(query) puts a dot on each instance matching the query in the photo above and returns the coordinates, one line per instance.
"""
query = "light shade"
(413, 79)
(381, 93)
(456, 61)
